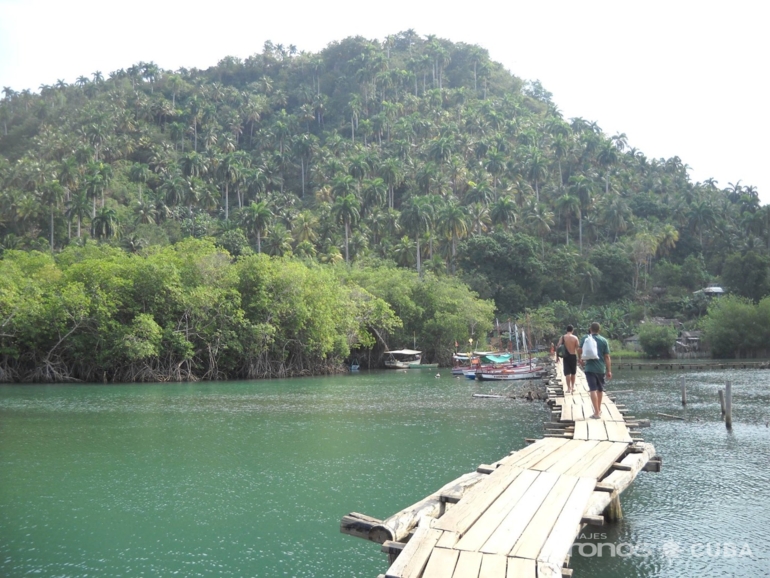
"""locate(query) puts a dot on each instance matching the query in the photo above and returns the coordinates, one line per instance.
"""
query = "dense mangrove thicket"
(414, 150)
(189, 311)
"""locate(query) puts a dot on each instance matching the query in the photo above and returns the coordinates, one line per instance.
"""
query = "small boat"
(402, 358)
(509, 374)
(354, 365)
(420, 365)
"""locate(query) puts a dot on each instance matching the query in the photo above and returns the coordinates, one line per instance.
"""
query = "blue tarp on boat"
(504, 358)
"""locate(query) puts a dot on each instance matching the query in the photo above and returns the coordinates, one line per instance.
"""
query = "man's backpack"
(590, 348)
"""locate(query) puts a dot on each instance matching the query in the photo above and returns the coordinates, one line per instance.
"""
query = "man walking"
(569, 362)
(594, 355)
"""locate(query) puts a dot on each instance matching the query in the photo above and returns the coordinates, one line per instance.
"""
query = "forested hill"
(414, 149)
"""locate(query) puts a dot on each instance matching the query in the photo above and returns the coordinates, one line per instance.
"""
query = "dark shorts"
(595, 381)
(570, 364)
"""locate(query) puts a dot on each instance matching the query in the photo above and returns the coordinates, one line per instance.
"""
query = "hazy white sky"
(685, 78)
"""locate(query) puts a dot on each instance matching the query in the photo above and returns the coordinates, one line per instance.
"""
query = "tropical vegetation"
(405, 154)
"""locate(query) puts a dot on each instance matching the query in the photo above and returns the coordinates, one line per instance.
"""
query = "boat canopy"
(404, 352)
(502, 358)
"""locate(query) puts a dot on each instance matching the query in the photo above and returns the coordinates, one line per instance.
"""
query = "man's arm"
(608, 363)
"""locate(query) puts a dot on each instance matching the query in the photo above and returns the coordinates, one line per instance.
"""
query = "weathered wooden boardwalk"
(519, 516)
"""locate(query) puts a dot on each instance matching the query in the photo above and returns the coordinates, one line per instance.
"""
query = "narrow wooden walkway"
(522, 514)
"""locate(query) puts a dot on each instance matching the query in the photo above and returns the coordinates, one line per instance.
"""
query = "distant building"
(689, 342)
(713, 290)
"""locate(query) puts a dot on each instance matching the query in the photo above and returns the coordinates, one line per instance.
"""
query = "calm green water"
(251, 478)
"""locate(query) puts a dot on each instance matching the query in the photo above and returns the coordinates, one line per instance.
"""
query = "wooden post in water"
(722, 401)
(729, 404)
(614, 511)
(684, 390)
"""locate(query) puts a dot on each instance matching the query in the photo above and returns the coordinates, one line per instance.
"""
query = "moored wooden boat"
(401, 358)
(510, 374)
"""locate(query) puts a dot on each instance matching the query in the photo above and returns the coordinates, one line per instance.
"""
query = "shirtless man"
(571, 343)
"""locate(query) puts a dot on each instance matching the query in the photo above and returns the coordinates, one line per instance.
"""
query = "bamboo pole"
(722, 401)
(729, 405)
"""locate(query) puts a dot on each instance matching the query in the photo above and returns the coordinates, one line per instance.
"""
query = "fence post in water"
(729, 405)
(722, 401)
(684, 391)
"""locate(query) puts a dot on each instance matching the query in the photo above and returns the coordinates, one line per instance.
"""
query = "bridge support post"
(614, 511)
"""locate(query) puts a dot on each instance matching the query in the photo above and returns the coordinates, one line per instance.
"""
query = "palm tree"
(667, 238)
(417, 216)
(615, 214)
(139, 173)
(278, 241)
(77, 207)
(403, 252)
(303, 228)
(701, 217)
(608, 156)
(229, 171)
(478, 218)
(537, 169)
(582, 187)
(144, 213)
(105, 224)
(391, 171)
(52, 195)
(569, 206)
(454, 223)
(346, 209)
(503, 212)
(540, 219)
(256, 218)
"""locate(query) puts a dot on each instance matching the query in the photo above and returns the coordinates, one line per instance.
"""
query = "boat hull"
(508, 376)
(396, 365)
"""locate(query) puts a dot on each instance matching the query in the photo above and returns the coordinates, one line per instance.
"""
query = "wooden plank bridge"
(519, 516)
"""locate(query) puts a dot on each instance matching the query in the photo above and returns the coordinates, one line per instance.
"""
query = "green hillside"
(412, 152)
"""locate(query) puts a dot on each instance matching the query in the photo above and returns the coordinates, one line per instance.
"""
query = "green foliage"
(657, 340)
(415, 149)
(746, 274)
(616, 273)
(736, 327)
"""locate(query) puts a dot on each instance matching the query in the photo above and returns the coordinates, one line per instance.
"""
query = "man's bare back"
(571, 342)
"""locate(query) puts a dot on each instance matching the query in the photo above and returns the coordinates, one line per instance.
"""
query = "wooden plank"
(560, 540)
(503, 538)
(596, 430)
(566, 410)
(617, 432)
(554, 457)
(413, 558)
(470, 508)
(590, 458)
(493, 566)
(577, 456)
(521, 568)
(527, 461)
(612, 411)
(604, 461)
(448, 539)
(441, 564)
(539, 447)
(468, 565)
(531, 541)
(581, 430)
(517, 492)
